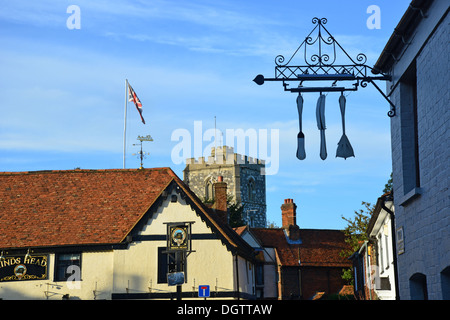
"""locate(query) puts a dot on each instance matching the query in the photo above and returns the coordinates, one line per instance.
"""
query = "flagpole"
(125, 123)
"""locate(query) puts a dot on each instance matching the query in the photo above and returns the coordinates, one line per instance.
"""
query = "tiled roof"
(317, 248)
(86, 207)
(54, 208)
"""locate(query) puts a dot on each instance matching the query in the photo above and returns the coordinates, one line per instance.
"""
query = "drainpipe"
(394, 245)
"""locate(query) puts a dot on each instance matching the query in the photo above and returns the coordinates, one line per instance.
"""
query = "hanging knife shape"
(320, 115)
(344, 149)
(301, 154)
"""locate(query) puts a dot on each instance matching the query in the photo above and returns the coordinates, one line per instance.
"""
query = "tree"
(389, 185)
(235, 210)
(355, 233)
(356, 230)
(357, 227)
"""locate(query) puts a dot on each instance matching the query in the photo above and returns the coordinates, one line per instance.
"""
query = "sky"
(191, 63)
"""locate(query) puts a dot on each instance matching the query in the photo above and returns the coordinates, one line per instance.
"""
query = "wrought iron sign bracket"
(323, 66)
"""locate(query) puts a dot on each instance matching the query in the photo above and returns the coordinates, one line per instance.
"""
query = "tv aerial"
(141, 154)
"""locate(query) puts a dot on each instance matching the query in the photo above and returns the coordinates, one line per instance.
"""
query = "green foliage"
(356, 235)
(356, 230)
(347, 275)
(235, 211)
(357, 227)
(389, 185)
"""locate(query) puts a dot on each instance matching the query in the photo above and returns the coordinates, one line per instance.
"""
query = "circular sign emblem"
(20, 270)
(179, 236)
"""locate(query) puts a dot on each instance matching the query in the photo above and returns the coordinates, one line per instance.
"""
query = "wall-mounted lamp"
(2, 257)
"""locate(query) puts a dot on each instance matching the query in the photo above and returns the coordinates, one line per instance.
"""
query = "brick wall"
(425, 219)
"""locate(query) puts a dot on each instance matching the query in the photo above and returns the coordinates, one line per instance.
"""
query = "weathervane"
(323, 65)
(142, 154)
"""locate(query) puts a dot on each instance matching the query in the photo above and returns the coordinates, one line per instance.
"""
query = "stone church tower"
(245, 183)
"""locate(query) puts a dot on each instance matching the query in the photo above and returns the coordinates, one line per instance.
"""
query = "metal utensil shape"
(344, 149)
(301, 154)
(320, 116)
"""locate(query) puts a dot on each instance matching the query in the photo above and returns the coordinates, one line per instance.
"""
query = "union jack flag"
(134, 98)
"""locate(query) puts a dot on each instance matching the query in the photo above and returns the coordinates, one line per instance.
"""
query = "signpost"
(204, 291)
(179, 246)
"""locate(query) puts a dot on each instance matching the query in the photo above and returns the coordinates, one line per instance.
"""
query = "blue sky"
(62, 91)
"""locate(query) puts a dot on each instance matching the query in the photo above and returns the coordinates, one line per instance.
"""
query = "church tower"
(245, 183)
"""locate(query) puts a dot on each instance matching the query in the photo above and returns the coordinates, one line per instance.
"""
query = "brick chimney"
(220, 197)
(289, 219)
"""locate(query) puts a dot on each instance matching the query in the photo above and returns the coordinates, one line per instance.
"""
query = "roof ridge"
(78, 170)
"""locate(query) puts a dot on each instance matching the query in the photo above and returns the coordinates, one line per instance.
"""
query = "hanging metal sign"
(179, 236)
(21, 268)
(324, 65)
(321, 64)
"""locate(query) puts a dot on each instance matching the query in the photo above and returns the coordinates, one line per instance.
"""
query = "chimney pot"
(288, 213)
(220, 204)
(289, 219)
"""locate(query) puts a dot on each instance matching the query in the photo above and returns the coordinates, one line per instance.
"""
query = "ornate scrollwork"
(309, 40)
(279, 60)
(361, 58)
(364, 83)
(329, 41)
(316, 20)
(319, 51)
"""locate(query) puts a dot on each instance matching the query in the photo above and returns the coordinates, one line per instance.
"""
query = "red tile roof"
(54, 208)
(85, 207)
(317, 248)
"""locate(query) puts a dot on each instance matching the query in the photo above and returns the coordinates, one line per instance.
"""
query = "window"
(445, 283)
(381, 253)
(409, 130)
(386, 244)
(62, 263)
(418, 287)
(259, 274)
(251, 189)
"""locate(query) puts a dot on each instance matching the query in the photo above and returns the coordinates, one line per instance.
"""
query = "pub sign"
(178, 237)
(21, 268)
